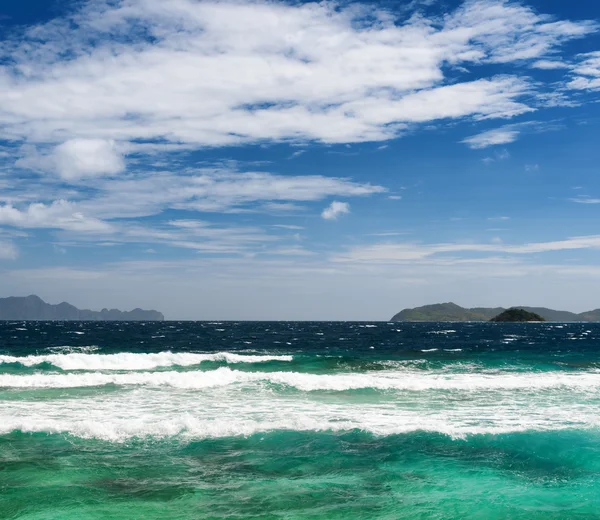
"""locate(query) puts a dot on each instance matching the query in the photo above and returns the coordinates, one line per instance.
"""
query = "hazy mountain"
(34, 308)
(452, 312)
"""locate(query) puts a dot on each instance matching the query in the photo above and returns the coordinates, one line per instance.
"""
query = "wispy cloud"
(288, 226)
(509, 133)
(297, 153)
(407, 252)
(585, 200)
(494, 137)
(291, 251)
(500, 155)
(207, 190)
(586, 72)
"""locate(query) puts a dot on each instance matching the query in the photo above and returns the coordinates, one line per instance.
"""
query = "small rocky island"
(517, 315)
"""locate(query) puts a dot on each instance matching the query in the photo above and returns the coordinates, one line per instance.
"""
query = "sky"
(243, 159)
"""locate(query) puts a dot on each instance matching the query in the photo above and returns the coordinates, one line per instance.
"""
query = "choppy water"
(299, 420)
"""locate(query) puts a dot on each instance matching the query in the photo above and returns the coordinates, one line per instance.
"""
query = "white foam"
(133, 361)
(401, 380)
(143, 413)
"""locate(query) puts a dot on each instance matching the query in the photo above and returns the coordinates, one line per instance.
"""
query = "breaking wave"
(134, 361)
(409, 380)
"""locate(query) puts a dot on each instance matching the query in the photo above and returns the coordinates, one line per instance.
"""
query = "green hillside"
(446, 312)
(452, 312)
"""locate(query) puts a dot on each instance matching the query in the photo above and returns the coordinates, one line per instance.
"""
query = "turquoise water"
(299, 420)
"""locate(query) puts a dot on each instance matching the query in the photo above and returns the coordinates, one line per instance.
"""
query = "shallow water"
(299, 420)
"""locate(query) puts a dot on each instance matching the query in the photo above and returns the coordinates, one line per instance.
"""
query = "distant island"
(452, 312)
(34, 308)
(513, 315)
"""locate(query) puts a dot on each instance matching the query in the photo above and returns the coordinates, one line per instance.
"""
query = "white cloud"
(288, 226)
(217, 73)
(586, 73)
(495, 137)
(60, 214)
(77, 158)
(291, 251)
(585, 200)
(509, 133)
(217, 190)
(335, 209)
(204, 189)
(108, 209)
(550, 65)
(410, 252)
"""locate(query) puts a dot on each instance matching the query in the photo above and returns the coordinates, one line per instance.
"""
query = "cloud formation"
(494, 137)
(218, 73)
(584, 199)
(403, 252)
(335, 209)
(60, 214)
(78, 158)
(110, 209)
(586, 73)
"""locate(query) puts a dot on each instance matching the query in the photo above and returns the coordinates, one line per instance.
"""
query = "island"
(16, 308)
(453, 312)
(516, 315)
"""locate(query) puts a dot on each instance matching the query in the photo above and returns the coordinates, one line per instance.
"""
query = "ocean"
(297, 420)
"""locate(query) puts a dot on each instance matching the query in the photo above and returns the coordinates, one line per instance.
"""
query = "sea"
(299, 420)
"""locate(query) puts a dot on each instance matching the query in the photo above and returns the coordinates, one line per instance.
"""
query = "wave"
(133, 361)
(193, 429)
(406, 380)
(130, 417)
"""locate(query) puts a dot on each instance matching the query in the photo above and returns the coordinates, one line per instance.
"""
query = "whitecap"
(134, 361)
(401, 380)
(195, 416)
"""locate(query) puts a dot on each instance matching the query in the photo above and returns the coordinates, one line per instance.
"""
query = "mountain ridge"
(452, 312)
(33, 308)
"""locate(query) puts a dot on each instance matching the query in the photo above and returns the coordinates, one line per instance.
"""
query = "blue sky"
(289, 160)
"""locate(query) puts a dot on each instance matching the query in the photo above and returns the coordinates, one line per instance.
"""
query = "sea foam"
(190, 416)
(134, 361)
(403, 380)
